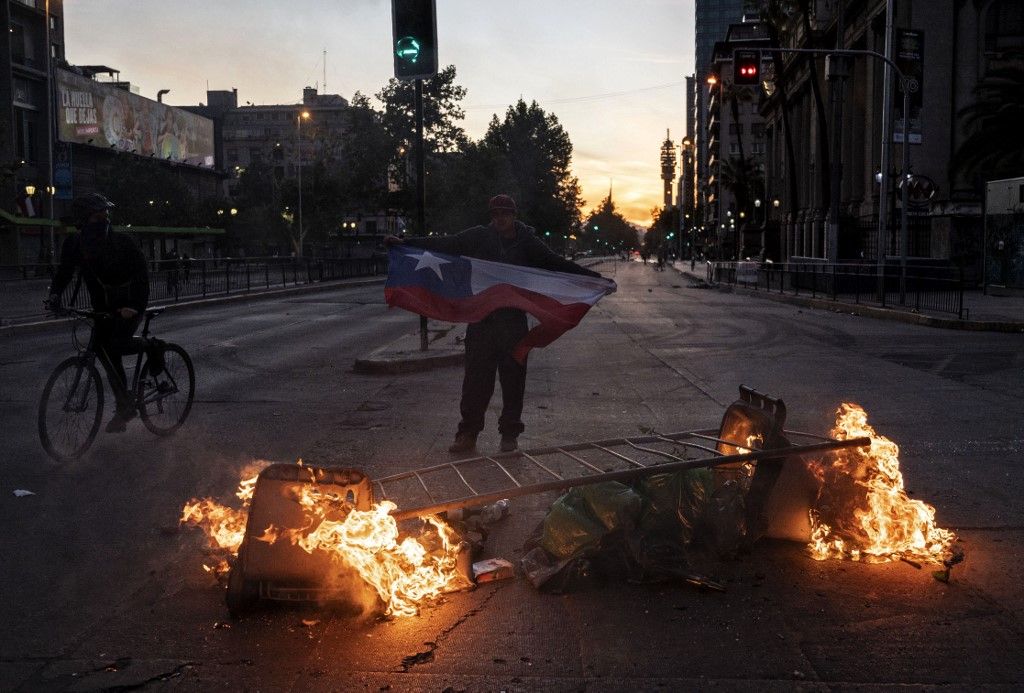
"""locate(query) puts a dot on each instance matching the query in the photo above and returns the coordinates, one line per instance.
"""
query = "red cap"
(501, 203)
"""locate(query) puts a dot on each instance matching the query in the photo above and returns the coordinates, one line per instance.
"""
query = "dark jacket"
(114, 273)
(485, 243)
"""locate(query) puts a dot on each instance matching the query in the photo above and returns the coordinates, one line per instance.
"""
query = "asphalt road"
(102, 590)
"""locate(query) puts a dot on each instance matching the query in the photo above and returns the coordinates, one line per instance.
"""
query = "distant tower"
(668, 167)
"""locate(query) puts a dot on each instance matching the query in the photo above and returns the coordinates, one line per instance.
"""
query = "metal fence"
(936, 288)
(23, 287)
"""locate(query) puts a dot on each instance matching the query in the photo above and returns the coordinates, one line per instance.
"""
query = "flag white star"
(426, 260)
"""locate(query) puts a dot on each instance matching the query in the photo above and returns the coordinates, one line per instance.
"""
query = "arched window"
(1004, 28)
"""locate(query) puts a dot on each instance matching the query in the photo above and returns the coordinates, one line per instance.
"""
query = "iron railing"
(930, 288)
(23, 287)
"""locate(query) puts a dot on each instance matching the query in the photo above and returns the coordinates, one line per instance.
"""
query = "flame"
(224, 526)
(862, 511)
(404, 572)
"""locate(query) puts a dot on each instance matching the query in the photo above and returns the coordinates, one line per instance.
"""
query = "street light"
(30, 190)
(304, 115)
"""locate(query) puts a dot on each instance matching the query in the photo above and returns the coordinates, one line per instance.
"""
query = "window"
(371, 226)
(734, 149)
(25, 135)
(735, 128)
(21, 49)
(1004, 26)
(254, 153)
(232, 154)
(757, 129)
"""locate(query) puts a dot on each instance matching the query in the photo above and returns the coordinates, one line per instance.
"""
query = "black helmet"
(84, 205)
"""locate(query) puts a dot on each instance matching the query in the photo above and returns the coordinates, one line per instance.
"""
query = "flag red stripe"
(551, 313)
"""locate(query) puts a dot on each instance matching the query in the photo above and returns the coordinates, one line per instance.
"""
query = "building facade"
(711, 23)
(288, 142)
(62, 131)
(947, 47)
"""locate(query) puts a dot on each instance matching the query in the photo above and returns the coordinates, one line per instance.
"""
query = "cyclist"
(114, 271)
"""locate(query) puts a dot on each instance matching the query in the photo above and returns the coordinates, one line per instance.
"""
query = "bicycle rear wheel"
(70, 409)
(165, 398)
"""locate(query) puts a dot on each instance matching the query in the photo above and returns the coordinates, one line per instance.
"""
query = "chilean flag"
(454, 288)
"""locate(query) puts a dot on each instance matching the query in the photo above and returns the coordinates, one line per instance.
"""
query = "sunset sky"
(613, 72)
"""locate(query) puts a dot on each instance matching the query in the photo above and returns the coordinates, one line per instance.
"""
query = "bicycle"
(71, 406)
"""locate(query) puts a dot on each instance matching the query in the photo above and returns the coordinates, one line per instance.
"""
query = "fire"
(404, 572)
(862, 511)
(224, 526)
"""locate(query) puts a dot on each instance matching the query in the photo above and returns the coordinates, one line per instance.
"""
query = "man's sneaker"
(509, 443)
(464, 442)
(119, 423)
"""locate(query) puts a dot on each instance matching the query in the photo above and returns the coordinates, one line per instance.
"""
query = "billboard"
(102, 115)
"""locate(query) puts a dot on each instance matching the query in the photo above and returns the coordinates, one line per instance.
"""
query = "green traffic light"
(407, 48)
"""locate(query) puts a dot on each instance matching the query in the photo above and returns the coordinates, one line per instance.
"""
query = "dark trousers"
(114, 340)
(489, 345)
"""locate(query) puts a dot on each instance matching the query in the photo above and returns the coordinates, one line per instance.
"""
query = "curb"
(869, 311)
(214, 301)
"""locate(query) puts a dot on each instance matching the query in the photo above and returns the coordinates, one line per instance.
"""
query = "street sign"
(910, 59)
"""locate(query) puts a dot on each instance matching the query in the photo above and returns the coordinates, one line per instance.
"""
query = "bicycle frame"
(89, 355)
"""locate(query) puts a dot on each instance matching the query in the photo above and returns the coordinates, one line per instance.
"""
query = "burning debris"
(862, 511)
(224, 526)
(403, 572)
(313, 534)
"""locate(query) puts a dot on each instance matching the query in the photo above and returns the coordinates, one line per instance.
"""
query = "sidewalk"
(987, 313)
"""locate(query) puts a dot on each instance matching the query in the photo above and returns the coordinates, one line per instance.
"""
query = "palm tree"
(995, 146)
(741, 177)
(775, 14)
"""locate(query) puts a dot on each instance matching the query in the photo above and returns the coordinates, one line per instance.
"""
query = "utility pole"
(838, 70)
(883, 189)
(421, 191)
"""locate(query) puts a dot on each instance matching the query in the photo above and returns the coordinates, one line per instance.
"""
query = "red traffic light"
(747, 67)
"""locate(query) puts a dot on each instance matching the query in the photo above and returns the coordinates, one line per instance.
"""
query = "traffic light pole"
(421, 191)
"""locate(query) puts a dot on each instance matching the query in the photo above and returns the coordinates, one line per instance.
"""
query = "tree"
(743, 179)
(995, 145)
(607, 228)
(442, 134)
(539, 154)
(775, 15)
(259, 226)
(663, 228)
(441, 112)
(366, 154)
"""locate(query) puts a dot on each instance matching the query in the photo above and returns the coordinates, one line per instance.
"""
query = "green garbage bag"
(614, 505)
(569, 528)
(676, 502)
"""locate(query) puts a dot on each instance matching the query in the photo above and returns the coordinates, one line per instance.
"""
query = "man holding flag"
(491, 277)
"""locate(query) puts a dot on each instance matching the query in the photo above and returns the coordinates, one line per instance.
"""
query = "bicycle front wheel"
(70, 409)
(165, 398)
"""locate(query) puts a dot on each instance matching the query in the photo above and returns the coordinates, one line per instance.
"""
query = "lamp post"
(304, 115)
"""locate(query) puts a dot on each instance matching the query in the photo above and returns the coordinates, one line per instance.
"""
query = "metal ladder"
(485, 479)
